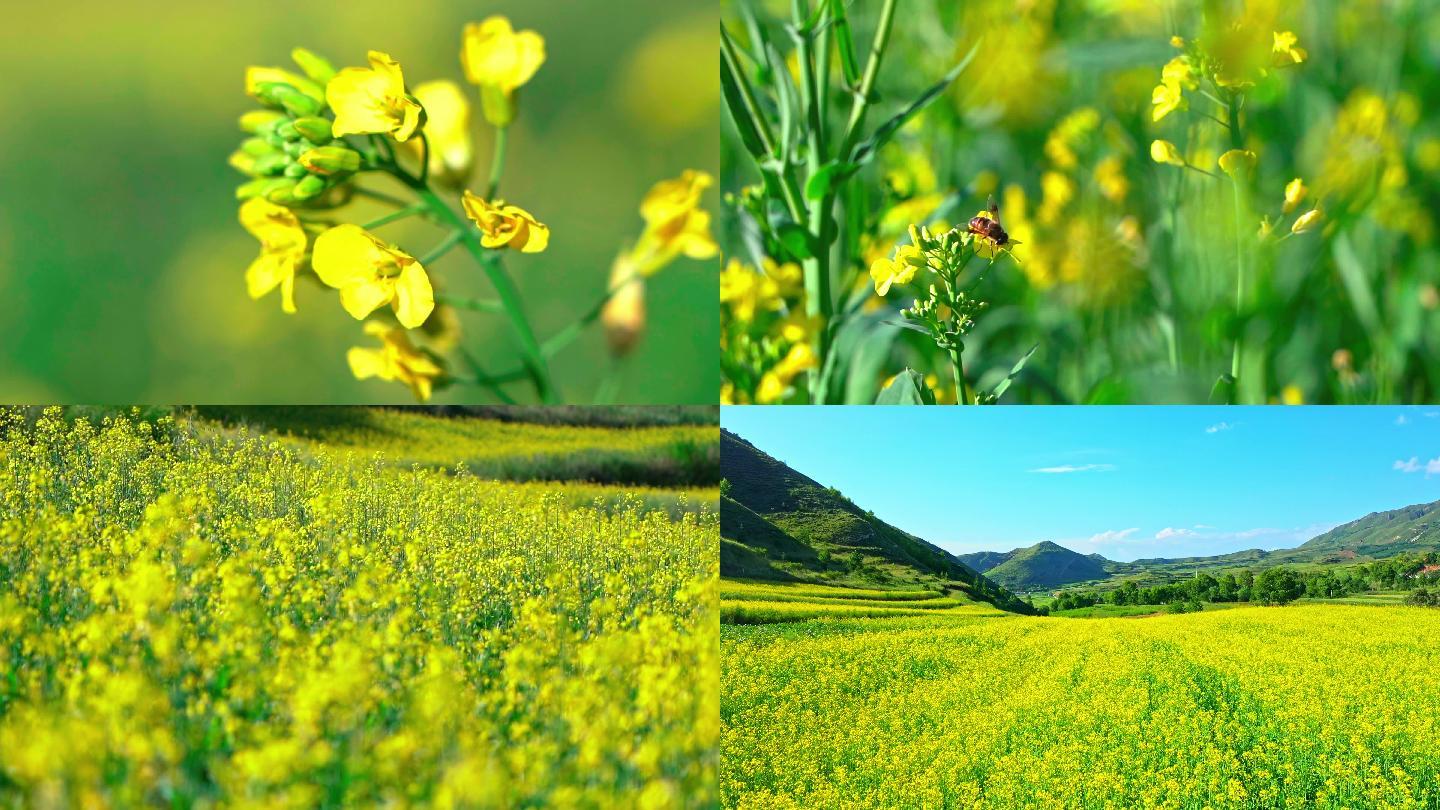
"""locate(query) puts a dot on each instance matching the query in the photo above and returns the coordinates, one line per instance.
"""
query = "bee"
(990, 228)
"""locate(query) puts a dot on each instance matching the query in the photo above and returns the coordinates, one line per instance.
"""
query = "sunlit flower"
(495, 54)
(447, 128)
(370, 274)
(1179, 72)
(675, 224)
(373, 100)
(1295, 191)
(1307, 221)
(282, 248)
(504, 225)
(1165, 152)
(1167, 98)
(396, 360)
(775, 382)
(1286, 49)
(899, 270)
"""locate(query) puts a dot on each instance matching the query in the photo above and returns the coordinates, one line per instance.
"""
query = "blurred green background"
(122, 263)
(1126, 278)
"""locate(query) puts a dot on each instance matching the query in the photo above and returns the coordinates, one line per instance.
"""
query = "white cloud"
(1402, 420)
(1074, 468)
(1410, 466)
(1431, 467)
(1219, 426)
(1168, 532)
(1112, 536)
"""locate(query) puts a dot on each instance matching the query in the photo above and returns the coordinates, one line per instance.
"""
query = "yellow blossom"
(1177, 41)
(1295, 191)
(371, 274)
(495, 54)
(675, 224)
(1237, 161)
(1165, 152)
(373, 100)
(1286, 49)
(447, 129)
(1111, 179)
(1306, 221)
(282, 248)
(1292, 395)
(1167, 98)
(1180, 73)
(504, 225)
(396, 360)
(899, 270)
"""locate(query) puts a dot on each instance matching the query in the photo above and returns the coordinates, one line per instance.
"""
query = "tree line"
(1272, 586)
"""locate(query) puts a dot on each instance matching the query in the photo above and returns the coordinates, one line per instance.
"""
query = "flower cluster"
(323, 130)
(765, 332)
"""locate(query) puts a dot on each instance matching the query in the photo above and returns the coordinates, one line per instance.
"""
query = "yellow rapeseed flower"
(1286, 49)
(373, 100)
(1167, 98)
(899, 270)
(396, 360)
(371, 274)
(282, 248)
(675, 224)
(447, 128)
(623, 315)
(1165, 152)
(495, 54)
(503, 225)
(1179, 72)
(1237, 161)
(1295, 191)
(1307, 221)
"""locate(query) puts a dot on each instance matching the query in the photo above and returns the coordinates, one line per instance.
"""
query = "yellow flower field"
(1313, 706)
(191, 618)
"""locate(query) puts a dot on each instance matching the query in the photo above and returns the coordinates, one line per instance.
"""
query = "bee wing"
(994, 209)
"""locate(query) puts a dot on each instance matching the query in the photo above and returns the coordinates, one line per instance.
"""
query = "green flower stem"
(1239, 349)
(450, 241)
(504, 288)
(566, 336)
(380, 196)
(472, 304)
(394, 216)
(424, 157)
(867, 82)
(497, 164)
(490, 381)
(962, 390)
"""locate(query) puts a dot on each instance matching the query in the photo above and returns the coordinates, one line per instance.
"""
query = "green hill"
(1381, 534)
(983, 561)
(1045, 565)
(834, 540)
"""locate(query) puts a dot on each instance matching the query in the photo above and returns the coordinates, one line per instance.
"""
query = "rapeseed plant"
(324, 132)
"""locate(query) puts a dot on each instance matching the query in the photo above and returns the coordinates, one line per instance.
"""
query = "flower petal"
(414, 297)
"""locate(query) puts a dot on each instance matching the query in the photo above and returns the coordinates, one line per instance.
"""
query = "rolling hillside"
(1044, 565)
(780, 524)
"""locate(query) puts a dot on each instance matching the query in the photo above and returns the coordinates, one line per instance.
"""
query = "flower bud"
(1306, 221)
(316, 67)
(295, 170)
(287, 131)
(254, 188)
(497, 106)
(1165, 152)
(294, 101)
(308, 188)
(256, 147)
(1237, 161)
(273, 163)
(255, 120)
(296, 148)
(279, 190)
(624, 314)
(313, 129)
(331, 160)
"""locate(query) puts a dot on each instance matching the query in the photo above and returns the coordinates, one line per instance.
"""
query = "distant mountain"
(1043, 565)
(779, 523)
(1382, 534)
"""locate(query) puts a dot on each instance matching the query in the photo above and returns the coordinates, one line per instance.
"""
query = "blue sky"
(1128, 482)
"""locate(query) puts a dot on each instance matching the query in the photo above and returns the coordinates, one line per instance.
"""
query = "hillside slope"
(774, 504)
(1382, 534)
(1045, 565)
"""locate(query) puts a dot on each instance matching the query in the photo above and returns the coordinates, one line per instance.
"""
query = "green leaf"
(797, 241)
(865, 151)
(908, 388)
(1223, 393)
(735, 100)
(849, 65)
(1004, 385)
(824, 180)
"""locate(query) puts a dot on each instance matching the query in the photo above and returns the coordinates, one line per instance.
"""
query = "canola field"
(1330, 706)
(194, 618)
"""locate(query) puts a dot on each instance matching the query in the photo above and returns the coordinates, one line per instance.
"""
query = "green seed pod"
(295, 170)
(316, 67)
(257, 147)
(288, 131)
(256, 120)
(331, 160)
(314, 129)
(254, 188)
(271, 164)
(308, 188)
(280, 190)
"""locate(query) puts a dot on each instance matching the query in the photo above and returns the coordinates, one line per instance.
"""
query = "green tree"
(1278, 586)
